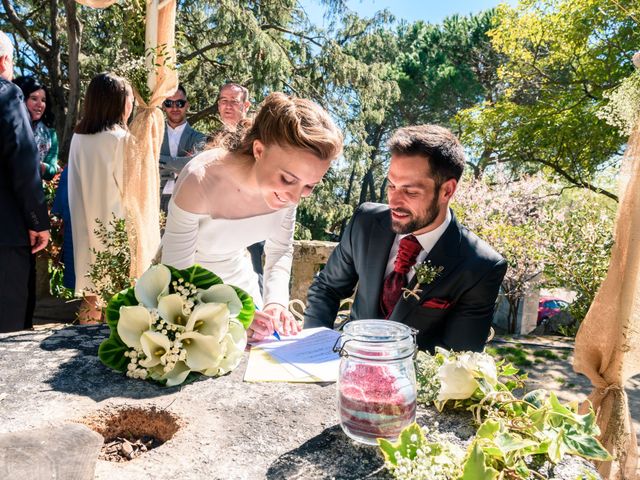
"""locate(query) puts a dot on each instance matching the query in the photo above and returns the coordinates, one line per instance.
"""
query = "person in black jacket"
(411, 260)
(23, 211)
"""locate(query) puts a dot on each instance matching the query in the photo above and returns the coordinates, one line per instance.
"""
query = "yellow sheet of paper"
(262, 367)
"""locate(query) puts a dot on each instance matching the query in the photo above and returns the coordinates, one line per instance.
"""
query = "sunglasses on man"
(177, 103)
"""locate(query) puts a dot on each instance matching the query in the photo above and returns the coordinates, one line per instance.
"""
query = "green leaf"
(488, 429)
(111, 353)
(536, 397)
(586, 446)
(245, 317)
(200, 277)
(522, 469)
(475, 467)
(509, 370)
(405, 445)
(124, 298)
(557, 445)
(509, 442)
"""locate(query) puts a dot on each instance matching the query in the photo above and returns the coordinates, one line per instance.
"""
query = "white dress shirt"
(426, 240)
(174, 135)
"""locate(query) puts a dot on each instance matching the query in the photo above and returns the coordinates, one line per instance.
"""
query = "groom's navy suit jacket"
(22, 203)
(454, 311)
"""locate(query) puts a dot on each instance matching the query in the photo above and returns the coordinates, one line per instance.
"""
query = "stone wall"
(309, 256)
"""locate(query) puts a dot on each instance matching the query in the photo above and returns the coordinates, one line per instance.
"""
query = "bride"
(245, 190)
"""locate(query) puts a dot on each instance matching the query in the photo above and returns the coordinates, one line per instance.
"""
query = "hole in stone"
(130, 431)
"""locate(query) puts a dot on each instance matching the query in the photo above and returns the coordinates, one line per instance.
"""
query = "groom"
(450, 302)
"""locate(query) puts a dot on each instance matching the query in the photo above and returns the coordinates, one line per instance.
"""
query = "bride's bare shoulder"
(198, 177)
(203, 161)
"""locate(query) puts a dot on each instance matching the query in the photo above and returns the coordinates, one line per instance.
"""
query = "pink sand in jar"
(374, 403)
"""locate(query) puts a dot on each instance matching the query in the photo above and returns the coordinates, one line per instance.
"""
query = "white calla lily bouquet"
(174, 324)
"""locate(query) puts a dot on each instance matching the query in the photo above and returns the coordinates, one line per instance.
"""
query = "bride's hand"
(261, 327)
(283, 321)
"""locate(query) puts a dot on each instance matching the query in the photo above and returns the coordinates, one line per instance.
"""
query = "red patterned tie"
(394, 283)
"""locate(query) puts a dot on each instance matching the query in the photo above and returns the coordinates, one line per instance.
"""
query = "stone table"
(229, 429)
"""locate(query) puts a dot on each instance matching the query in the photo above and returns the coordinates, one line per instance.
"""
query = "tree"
(579, 247)
(50, 51)
(511, 216)
(562, 57)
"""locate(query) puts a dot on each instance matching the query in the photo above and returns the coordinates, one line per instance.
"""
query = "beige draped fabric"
(141, 178)
(608, 342)
(97, 3)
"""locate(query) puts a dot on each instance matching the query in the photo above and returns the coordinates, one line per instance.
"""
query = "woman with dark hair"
(95, 175)
(245, 191)
(36, 97)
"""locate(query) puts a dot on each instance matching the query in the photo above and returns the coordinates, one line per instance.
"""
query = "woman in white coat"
(95, 175)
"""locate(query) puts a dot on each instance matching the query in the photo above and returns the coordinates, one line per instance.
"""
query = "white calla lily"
(480, 365)
(133, 322)
(456, 382)
(236, 342)
(222, 294)
(171, 309)
(153, 284)
(155, 346)
(177, 375)
(209, 319)
(203, 351)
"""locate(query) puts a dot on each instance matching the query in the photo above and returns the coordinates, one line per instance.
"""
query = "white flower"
(235, 342)
(177, 375)
(134, 321)
(203, 351)
(481, 365)
(456, 382)
(172, 310)
(155, 347)
(458, 375)
(222, 294)
(153, 284)
(209, 319)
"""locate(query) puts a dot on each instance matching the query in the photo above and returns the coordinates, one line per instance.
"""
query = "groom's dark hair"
(437, 144)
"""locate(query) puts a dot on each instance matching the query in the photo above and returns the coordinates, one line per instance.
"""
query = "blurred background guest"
(37, 99)
(61, 209)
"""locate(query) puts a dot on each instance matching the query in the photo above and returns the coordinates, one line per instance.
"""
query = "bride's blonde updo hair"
(287, 122)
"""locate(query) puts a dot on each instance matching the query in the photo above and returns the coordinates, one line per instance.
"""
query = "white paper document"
(311, 351)
(168, 187)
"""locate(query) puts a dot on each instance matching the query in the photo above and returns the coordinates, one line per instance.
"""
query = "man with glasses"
(180, 143)
(23, 216)
(233, 104)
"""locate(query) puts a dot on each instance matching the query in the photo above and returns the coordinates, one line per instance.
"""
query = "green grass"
(516, 356)
(544, 353)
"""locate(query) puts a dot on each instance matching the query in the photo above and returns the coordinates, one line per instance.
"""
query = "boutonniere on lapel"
(425, 274)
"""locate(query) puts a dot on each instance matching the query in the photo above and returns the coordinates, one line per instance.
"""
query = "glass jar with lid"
(377, 380)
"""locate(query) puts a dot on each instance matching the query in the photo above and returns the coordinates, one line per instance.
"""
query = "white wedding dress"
(220, 244)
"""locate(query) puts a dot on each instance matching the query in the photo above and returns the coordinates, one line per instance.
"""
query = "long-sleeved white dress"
(95, 192)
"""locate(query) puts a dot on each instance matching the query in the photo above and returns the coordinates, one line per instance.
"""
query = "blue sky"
(432, 11)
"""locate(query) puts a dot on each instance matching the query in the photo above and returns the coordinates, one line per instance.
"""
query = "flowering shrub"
(511, 431)
(175, 322)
